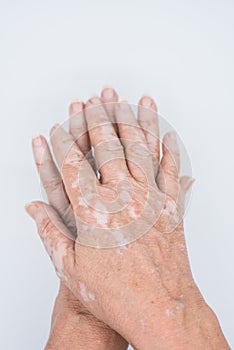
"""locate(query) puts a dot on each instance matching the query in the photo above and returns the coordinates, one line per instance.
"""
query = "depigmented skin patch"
(86, 296)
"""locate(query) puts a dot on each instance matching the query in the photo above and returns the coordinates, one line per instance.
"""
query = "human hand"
(72, 326)
(152, 272)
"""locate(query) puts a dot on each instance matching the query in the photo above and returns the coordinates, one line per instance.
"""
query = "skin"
(69, 314)
(152, 272)
(72, 326)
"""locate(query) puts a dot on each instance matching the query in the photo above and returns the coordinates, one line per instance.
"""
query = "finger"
(61, 142)
(78, 129)
(168, 176)
(52, 181)
(134, 142)
(108, 151)
(109, 97)
(77, 125)
(78, 177)
(55, 237)
(185, 184)
(148, 120)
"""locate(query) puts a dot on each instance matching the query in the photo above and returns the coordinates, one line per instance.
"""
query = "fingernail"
(38, 145)
(172, 135)
(76, 106)
(123, 104)
(95, 100)
(76, 100)
(30, 209)
(190, 182)
(108, 93)
(147, 101)
(107, 86)
(37, 140)
(54, 127)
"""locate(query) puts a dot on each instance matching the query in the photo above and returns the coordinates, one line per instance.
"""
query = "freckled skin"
(151, 279)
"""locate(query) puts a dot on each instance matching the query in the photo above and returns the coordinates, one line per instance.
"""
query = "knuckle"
(74, 156)
(53, 184)
(46, 227)
(45, 163)
(172, 171)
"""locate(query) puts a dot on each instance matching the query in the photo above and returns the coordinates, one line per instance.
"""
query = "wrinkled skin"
(73, 327)
(143, 290)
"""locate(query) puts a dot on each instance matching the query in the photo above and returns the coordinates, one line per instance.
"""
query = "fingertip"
(35, 136)
(170, 140)
(37, 140)
(192, 180)
(76, 106)
(108, 93)
(26, 206)
(76, 100)
(171, 135)
(54, 128)
(186, 182)
(39, 144)
(148, 102)
(94, 95)
(93, 100)
(31, 209)
(122, 105)
(107, 86)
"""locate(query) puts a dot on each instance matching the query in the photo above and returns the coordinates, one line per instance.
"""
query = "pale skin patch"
(169, 312)
(86, 296)
(58, 259)
(142, 323)
(120, 251)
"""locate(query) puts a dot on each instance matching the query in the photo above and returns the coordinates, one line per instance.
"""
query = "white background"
(182, 53)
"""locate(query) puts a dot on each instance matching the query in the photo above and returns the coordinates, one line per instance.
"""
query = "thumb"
(185, 184)
(55, 236)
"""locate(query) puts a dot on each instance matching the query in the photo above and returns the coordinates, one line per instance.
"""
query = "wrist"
(80, 331)
(73, 327)
(194, 328)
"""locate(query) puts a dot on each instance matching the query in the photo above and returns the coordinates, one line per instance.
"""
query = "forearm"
(87, 333)
(74, 328)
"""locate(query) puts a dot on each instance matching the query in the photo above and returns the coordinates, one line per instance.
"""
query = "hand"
(73, 327)
(146, 291)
